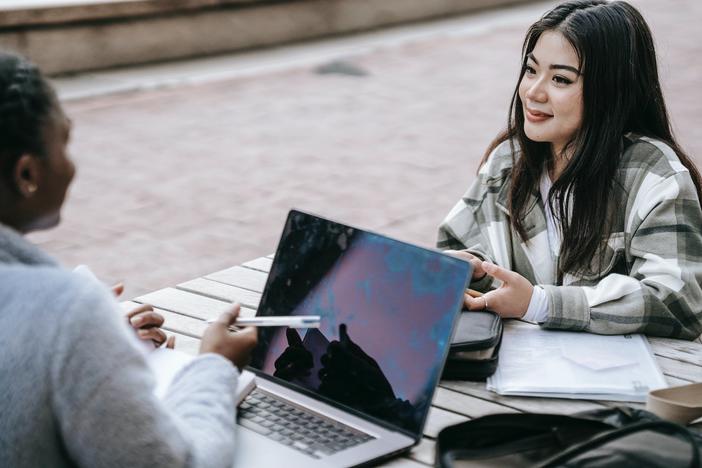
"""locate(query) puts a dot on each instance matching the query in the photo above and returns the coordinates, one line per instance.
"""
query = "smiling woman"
(586, 212)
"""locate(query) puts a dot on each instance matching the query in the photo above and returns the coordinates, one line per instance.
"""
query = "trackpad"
(253, 449)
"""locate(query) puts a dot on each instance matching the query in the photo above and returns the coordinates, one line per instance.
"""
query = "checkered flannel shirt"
(652, 262)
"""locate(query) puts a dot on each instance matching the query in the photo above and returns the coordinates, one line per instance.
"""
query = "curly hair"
(26, 103)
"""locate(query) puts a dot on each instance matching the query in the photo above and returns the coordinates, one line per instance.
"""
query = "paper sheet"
(165, 364)
(560, 364)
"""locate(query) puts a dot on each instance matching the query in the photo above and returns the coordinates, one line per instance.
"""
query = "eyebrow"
(556, 66)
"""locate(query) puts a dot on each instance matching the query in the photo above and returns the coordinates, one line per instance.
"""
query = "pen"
(292, 321)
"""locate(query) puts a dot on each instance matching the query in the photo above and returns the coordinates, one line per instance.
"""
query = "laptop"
(359, 388)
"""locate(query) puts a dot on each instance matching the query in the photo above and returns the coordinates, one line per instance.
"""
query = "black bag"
(611, 437)
(475, 347)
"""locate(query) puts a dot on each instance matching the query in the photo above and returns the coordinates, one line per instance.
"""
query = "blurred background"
(199, 123)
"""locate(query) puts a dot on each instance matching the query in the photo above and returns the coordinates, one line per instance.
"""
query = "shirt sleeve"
(537, 312)
(460, 230)
(661, 294)
(102, 393)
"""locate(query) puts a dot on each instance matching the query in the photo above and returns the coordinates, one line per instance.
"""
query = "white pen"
(292, 321)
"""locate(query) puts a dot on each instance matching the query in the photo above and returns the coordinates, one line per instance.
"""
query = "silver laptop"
(359, 388)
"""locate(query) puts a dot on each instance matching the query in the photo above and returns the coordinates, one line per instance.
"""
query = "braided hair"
(26, 104)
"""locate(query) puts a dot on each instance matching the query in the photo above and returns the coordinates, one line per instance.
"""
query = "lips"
(533, 115)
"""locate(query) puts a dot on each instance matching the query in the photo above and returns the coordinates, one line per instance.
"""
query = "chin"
(44, 223)
(537, 137)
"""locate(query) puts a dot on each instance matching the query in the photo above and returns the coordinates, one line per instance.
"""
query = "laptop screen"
(387, 312)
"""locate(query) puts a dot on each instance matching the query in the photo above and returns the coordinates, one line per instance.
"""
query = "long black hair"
(621, 94)
(26, 104)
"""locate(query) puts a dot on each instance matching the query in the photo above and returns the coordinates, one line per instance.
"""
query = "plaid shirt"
(652, 263)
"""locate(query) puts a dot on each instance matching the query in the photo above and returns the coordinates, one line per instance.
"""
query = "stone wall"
(82, 35)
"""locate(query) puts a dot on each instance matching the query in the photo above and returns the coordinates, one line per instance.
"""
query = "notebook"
(166, 363)
(563, 364)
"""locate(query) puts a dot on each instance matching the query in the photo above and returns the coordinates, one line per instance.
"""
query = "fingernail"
(137, 321)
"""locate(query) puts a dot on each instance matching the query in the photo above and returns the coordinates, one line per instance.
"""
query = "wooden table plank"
(440, 418)
(679, 369)
(674, 381)
(187, 303)
(424, 451)
(187, 344)
(403, 463)
(261, 264)
(241, 277)
(467, 405)
(525, 404)
(680, 350)
(222, 292)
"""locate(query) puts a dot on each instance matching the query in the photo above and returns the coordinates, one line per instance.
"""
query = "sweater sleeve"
(478, 222)
(102, 394)
(661, 294)
(460, 230)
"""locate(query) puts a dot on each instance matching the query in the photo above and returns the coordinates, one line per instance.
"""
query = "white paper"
(166, 363)
(559, 364)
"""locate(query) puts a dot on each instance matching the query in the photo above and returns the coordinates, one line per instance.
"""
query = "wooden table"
(188, 305)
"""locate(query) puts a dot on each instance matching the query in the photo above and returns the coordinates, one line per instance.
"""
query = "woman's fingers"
(475, 261)
(502, 274)
(229, 317)
(474, 303)
(138, 310)
(156, 335)
(146, 319)
(511, 300)
(170, 342)
(117, 289)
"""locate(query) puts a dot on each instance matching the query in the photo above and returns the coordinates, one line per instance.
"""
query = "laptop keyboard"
(296, 427)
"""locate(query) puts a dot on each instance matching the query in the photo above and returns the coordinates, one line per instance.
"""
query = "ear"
(26, 175)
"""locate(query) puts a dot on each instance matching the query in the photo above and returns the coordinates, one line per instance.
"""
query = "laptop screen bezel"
(298, 388)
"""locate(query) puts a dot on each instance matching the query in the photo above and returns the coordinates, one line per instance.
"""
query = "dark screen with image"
(387, 312)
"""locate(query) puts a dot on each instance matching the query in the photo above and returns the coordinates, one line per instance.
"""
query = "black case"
(475, 346)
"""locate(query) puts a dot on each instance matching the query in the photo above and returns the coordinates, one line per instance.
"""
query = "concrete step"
(78, 35)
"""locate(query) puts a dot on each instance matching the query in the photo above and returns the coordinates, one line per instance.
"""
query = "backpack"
(610, 437)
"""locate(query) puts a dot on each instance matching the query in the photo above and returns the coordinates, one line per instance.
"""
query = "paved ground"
(179, 181)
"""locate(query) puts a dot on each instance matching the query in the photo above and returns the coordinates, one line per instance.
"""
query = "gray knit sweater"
(74, 386)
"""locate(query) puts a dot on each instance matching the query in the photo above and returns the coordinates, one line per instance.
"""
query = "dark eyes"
(558, 79)
(561, 80)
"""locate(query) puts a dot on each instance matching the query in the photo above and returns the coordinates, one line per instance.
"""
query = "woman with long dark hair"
(586, 212)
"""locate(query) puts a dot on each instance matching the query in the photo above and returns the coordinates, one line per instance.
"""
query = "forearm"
(201, 400)
(622, 305)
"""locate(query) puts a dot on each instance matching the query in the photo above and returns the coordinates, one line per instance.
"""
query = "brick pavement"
(176, 183)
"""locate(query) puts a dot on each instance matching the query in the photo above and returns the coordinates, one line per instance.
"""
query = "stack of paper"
(560, 364)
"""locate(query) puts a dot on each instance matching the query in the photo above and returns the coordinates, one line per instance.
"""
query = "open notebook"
(166, 363)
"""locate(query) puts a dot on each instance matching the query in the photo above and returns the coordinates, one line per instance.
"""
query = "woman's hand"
(146, 322)
(477, 262)
(233, 345)
(511, 300)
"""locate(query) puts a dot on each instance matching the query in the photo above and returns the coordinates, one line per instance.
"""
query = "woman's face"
(551, 91)
(56, 174)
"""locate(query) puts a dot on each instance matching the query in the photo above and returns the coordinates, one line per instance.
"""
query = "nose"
(536, 91)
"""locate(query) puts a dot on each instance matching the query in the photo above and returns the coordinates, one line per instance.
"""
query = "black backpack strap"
(609, 436)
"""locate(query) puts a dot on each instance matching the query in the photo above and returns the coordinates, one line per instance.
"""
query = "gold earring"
(31, 188)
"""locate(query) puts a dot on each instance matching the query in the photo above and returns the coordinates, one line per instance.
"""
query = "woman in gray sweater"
(75, 389)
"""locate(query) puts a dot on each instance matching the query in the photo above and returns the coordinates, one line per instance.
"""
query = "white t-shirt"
(538, 305)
